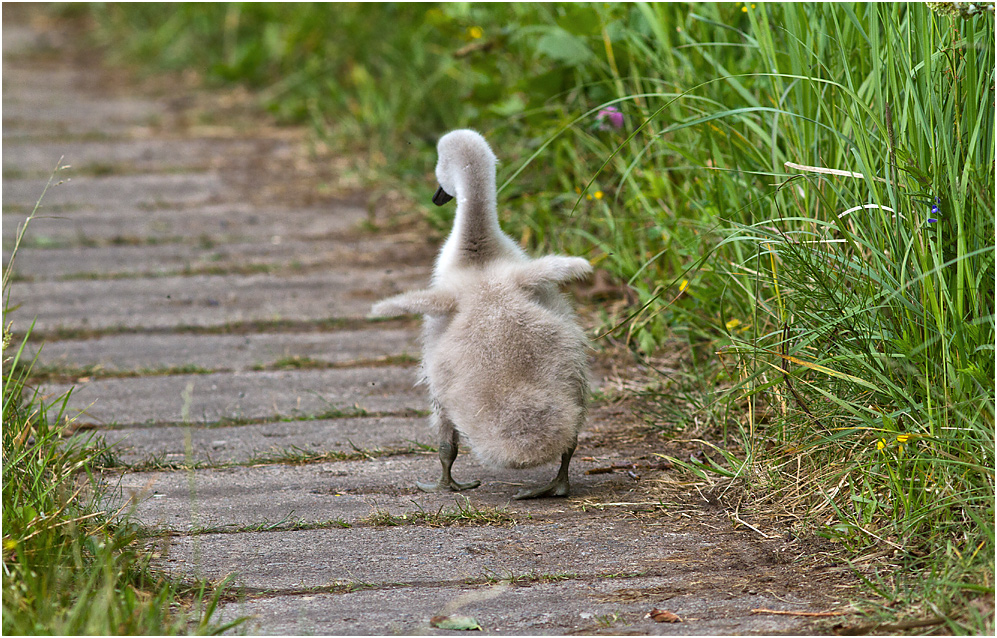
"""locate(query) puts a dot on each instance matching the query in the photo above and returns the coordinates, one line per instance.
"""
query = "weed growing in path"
(464, 514)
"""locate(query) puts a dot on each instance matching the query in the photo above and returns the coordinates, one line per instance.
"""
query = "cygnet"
(504, 358)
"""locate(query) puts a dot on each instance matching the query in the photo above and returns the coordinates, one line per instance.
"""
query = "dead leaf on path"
(660, 615)
(459, 623)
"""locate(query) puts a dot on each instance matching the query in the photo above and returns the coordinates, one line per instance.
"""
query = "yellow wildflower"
(684, 285)
(598, 194)
(733, 323)
(880, 444)
(903, 438)
(476, 32)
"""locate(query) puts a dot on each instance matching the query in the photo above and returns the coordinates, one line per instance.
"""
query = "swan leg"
(558, 487)
(448, 452)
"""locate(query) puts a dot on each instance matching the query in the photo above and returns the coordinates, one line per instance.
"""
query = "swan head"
(466, 167)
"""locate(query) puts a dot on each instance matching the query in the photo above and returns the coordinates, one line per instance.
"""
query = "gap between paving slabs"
(348, 546)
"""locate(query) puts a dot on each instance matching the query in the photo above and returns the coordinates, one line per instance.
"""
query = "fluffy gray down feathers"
(503, 355)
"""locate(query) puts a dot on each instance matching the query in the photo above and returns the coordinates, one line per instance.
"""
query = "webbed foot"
(558, 487)
(448, 452)
(444, 484)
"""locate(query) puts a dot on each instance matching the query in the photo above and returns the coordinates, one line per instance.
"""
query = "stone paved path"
(264, 429)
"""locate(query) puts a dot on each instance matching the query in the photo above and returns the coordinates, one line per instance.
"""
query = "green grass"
(287, 524)
(231, 328)
(69, 566)
(512, 578)
(292, 455)
(767, 198)
(464, 514)
(299, 362)
(66, 373)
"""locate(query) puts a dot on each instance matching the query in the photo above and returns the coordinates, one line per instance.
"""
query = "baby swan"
(503, 355)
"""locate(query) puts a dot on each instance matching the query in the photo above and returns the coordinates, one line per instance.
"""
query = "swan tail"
(529, 438)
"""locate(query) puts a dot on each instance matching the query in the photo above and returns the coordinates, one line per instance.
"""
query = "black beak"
(441, 197)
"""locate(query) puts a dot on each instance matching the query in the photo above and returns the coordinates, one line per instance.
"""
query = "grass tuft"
(69, 567)
(464, 514)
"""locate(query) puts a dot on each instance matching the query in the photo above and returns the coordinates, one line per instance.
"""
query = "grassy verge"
(806, 190)
(69, 566)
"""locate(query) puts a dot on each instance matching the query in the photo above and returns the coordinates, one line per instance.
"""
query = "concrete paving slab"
(140, 155)
(598, 606)
(179, 444)
(152, 352)
(18, 39)
(123, 223)
(205, 300)
(34, 110)
(205, 255)
(416, 555)
(89, 193)
(24, 77)
(50, 100)
(240, 497)
(21, 133)
(243, 395)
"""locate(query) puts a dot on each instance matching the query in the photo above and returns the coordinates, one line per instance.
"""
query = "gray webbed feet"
(444, 484)
(448, 452)
(554, 488)
(558, 487)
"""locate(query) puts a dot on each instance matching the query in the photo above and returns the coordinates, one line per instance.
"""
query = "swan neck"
(477, 211)
(480, 194)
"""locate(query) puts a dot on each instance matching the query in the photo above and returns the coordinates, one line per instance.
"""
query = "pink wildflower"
(609, 117)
